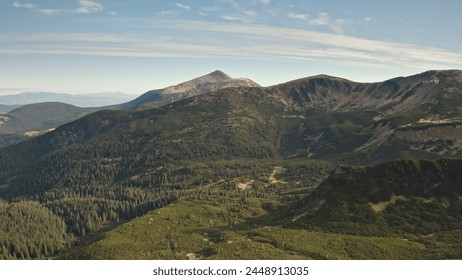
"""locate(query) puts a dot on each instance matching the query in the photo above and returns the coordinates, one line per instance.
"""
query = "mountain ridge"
(320, 88)
(79, 100)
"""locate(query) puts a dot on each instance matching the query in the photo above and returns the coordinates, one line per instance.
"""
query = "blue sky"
(133, 46)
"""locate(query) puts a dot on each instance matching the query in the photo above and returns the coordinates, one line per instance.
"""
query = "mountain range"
(234, 167)
(47, 111)
(79, 100)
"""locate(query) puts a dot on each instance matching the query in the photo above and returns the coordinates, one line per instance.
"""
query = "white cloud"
(43, 11)
(265, 2)
(367, 20)
(210, 9)
(84, 7)
(233, 17)
(340, 25)
(168, 13)
(183, 6)
(206, 11)
(88, 7)
(232, 3)
(20, 5)
(51, 11)
(244, 17)
(249, 13)
(303, 17)
(323, 19)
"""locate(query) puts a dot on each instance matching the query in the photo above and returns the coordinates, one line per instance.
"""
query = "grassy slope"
(210, 226)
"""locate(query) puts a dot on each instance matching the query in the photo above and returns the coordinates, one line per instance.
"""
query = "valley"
(248, 224)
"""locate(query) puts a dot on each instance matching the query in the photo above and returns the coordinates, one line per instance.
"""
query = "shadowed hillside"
(408, 196)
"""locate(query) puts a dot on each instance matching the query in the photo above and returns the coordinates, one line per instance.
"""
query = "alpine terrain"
(221, 168)
(51, 110)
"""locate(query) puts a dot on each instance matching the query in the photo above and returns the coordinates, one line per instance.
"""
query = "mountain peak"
(214, 77)
(218, 74)
(214, 80)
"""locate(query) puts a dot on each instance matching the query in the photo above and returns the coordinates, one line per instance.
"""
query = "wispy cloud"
(323, 19)
(168, 13)
(183, 6)
(367, 20)
(244, 17)
(108, 45)
(84, 7)
(235, 40)
(52, 11)
(20, 5)
(265, 2)
(232, 3)
(29, 6)
(345, 46)
(208, 10)
(88, 7)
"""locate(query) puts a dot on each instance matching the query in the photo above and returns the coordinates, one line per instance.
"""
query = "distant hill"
(40, 117)
(79, 100)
